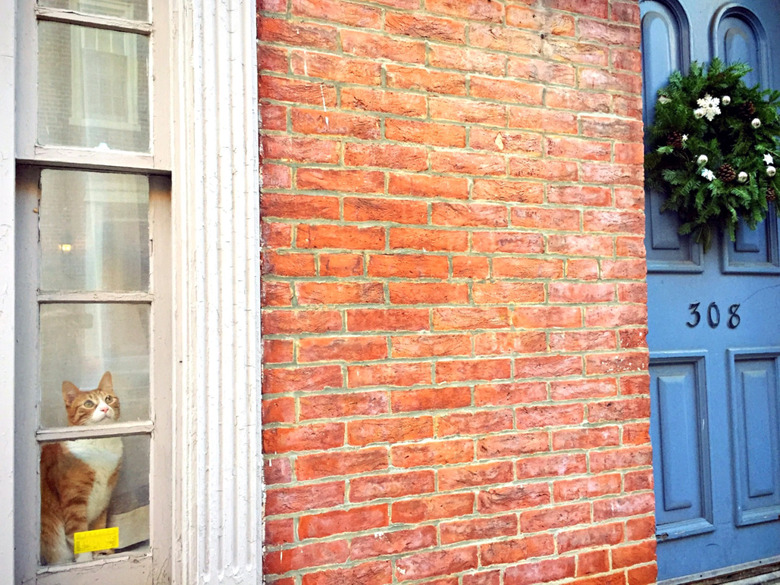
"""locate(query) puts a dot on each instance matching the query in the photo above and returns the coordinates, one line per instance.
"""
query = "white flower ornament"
(768, 159)
(702, 160)
(709, 106)
(684, 137)
(708, 174)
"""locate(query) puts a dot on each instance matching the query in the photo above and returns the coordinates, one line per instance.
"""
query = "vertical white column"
(7, 283)
(217, 467)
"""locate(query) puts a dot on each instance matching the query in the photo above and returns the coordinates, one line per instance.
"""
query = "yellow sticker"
(92, 540)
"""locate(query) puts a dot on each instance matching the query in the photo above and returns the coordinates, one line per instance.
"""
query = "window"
(93, 295)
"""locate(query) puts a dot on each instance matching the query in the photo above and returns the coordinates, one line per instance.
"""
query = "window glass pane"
(93, 87)
(94, 231)
(131, 9)
(80, 342)
(117, 498)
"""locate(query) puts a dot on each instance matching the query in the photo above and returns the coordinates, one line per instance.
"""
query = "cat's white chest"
(103, 456)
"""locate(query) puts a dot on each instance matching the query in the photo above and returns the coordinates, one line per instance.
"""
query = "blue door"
(714, 328)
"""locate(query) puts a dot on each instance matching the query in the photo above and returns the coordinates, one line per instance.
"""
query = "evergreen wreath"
(712, 149)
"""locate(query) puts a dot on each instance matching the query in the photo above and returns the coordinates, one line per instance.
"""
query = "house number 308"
(713, 315)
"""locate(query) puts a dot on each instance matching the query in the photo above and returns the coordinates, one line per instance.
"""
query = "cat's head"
(91, 407)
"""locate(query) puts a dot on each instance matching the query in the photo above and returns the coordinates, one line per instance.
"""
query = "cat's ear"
(106, 383)
(69, 392)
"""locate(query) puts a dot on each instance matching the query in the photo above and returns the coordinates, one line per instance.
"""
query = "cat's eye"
(109, 399)
(89, 404)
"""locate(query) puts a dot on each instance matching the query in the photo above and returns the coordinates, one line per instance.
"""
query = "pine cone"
(675, 140)
(747, 109)
(726, 173)
(771, 194)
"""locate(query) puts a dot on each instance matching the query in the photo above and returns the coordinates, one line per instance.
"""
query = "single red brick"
(471, 318)
(633, 554)
(385, 543)
(591, 536)
(470, 215)
(611, 128)
(543, 119)
(343, 12)
(297, 34)
(544, 71)
(625, 12)
(549, 415)
(579, 195)
(278, 532)
(630, 505)
(335, 68)
(299, 206)
(470, 267)
(631, 385)
(555, 517)
(437, 562)
(278, 235)
(374, 573)
(583, 340)
(301, 379)
(592, 562)
(351, 181)
(382, 210)
(408, 266)
(507, 141)
(586, 438)
(276, 294)
(337, 293)
(619, 410)
(544, 317)
(288, 264)
(643, 575)
(482, 578)
(335, 123)
(297, 91)
(432, 508)
(582, 268)
(470, 9)
(413, 293)
(406, 374)
(473, 423)
(541, 217)
(575, 389)
(433, 453)
(277, 470)
(512, 445)
(514, 497)
(462, 370)
(388, 102)
(551, 170)
(518, 549)
(302, 556)
(391, 485)
(453, 478)
(303, 437)
(277, 351)
(288, 500)
(471, 163)
(276, 177)
(580, 245)
(319, 465)
(341, 265)
(576, 292)
(630, 246)
(427, 399)
(277, 322)
(341, 236)
(338, 521)
(636, 434)
(375, 46)
(334, 406)
(578, 53)
(311, 150)
(478, 528)
(620, 459)
(513, 393)
(426, 27)
(507, 242)
(393, 156)
(424, 79)
(578, 101)
(279, 410)
(549, 366)
(387, 319)
(425, 133)
(616, 363)
(428, 186)
(461, 110)
(586, 487)
(351, 349)
(640, 528)
(273, 117)
(506, 90)
(466, 59)
(508, 292)
(389, 430)
(540, 571)
(632, 268)
(615, 174)
(612, 579)
(551, 465)
(632, 292)
(509, 342)
(608, 34)
(615, 316)
(505, 39)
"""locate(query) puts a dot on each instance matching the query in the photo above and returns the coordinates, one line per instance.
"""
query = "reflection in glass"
(93, 484)
(129, 9)
(81, 341)
(94, 230)
(93, 87)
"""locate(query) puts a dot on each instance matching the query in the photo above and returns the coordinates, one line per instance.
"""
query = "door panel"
(714, 328)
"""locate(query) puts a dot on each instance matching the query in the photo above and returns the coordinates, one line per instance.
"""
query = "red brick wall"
(455, 386)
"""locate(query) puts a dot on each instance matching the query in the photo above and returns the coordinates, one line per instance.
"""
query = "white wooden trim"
(7, 283)
(216, 466)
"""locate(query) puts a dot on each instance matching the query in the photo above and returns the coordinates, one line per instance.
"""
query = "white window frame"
(211, 152)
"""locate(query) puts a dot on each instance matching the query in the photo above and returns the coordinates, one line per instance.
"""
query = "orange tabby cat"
(78, 477)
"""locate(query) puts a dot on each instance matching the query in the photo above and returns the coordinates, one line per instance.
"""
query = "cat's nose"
(104, 409)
